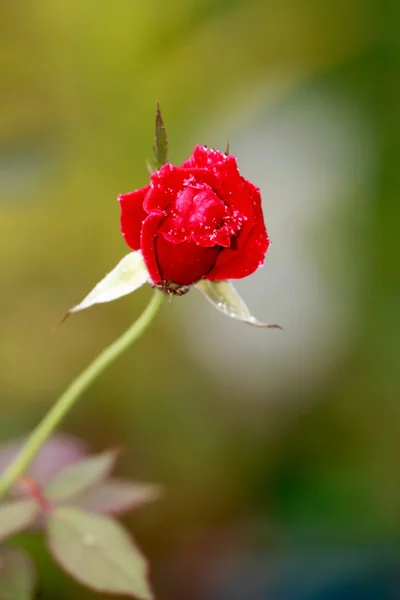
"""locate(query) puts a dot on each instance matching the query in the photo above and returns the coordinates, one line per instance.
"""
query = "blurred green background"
(278, 450)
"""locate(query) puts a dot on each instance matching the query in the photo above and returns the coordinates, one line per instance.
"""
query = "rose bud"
(201, 220)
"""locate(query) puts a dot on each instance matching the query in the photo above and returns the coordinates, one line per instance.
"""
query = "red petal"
(170, 180)
(164, 187)
(229, 185)
(132, 216)
(218, 237)
(250, 246)
(196, 212)
(205, 158)
(232, 188)
(184, 263)
(149, 233)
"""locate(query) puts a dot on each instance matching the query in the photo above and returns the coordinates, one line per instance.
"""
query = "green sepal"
(160, 149)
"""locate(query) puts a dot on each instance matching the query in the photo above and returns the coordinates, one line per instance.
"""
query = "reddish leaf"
(59, 452)
(116, 497)
(79, 477)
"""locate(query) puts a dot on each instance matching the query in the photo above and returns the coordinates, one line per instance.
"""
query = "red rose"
(201, 220)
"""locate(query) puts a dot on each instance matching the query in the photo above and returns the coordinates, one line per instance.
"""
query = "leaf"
(17, 575)
(116, 497)
(77, 478)
(98, 552)
(225, 298)
(161, 141)
(58, 452)
(16, 515)
(129, 275)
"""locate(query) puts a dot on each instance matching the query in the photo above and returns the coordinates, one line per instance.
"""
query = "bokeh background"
(278, 451)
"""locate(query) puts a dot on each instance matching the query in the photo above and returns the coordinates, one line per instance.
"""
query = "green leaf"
(16, 515)
(116, 496)
(225, 298)
(161, 141)
(98, 552)
(77, 478)
(17, 575)
(129, 275)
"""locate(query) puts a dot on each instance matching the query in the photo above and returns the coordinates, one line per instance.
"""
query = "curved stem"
(66, 401)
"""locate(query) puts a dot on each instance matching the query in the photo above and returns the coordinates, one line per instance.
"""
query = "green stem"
(66, 401)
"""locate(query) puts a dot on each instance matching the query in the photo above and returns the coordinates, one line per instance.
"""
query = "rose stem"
(66, 401)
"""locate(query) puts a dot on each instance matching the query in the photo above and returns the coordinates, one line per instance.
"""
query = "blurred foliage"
(80, 82)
